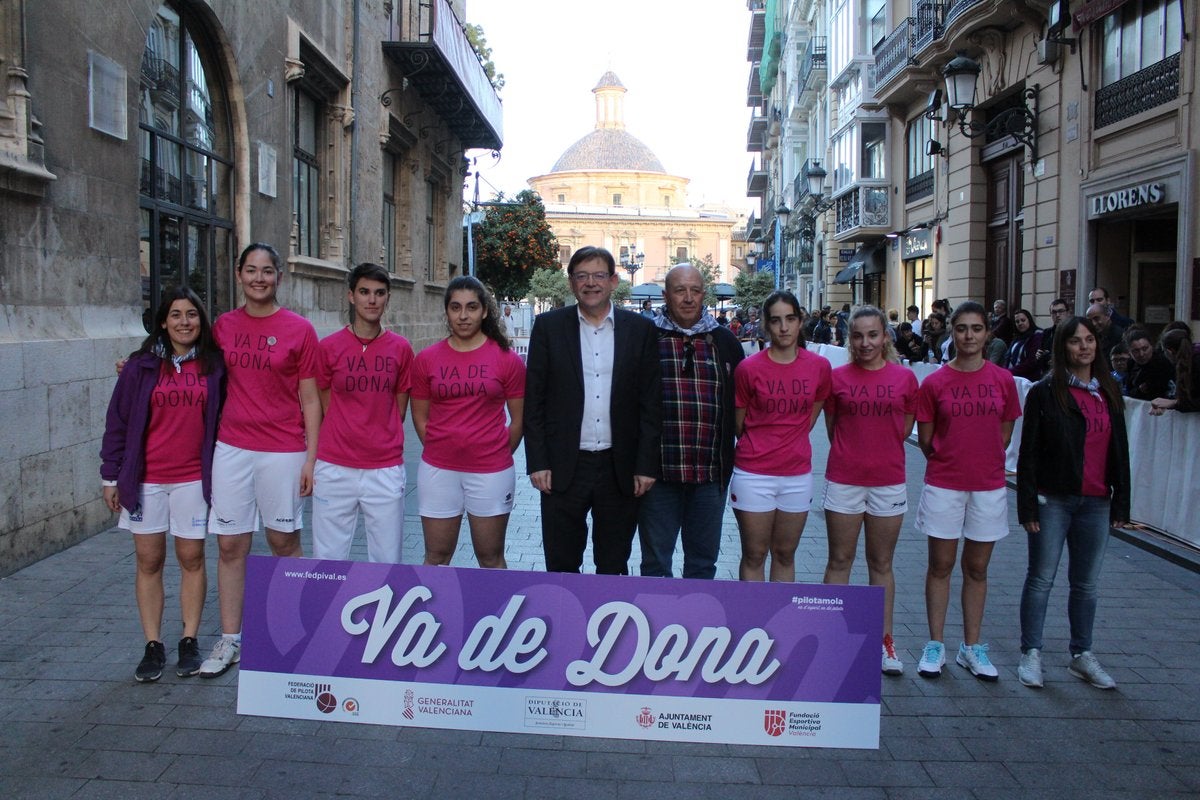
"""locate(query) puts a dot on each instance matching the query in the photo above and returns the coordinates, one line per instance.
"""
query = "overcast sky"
(682, 61)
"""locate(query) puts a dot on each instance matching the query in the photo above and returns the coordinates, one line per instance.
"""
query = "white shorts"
(445, 493)
(878, 501)
(339, 492)
(749, 491)
(249, 485)
(175, 507)
(952, 514)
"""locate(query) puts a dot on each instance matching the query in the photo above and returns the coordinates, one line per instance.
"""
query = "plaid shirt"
(691, 424)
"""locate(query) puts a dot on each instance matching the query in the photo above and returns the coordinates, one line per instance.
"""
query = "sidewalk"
(77, 725)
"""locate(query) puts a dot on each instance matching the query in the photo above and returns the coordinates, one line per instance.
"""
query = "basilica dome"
(609, 146)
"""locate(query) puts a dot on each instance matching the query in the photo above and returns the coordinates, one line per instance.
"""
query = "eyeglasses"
(586, 277)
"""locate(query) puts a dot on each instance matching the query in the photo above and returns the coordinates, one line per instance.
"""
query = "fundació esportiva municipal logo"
(774, 721)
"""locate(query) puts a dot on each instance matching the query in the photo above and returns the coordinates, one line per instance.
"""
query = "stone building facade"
(1073, 166)
(610, 189)
(144, 147)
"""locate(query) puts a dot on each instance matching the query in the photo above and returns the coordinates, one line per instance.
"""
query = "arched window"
(186, 171)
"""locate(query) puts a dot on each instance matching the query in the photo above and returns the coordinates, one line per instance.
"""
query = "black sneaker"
(189, 657)
(151, 666)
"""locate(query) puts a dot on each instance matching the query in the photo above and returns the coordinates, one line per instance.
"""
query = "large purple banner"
(790, 664)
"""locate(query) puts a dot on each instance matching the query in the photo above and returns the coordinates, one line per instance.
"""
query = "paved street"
(77, 725)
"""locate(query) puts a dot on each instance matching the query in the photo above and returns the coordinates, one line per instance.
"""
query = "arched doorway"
(186, 190)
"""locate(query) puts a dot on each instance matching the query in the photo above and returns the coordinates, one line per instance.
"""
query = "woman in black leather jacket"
(1072, 486)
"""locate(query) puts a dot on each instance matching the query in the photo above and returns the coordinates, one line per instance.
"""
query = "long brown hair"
(491, 326)
(1100, 369)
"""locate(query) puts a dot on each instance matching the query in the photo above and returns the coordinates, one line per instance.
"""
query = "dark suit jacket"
(554, 397)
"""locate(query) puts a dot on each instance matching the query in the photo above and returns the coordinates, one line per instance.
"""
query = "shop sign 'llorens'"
(1124, 199)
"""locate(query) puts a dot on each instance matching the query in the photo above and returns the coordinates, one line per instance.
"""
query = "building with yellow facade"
(609, 189)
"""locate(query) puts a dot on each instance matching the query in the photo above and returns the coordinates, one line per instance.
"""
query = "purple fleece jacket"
(123, 449)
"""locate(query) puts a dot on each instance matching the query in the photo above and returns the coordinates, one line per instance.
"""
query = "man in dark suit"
(593, 408)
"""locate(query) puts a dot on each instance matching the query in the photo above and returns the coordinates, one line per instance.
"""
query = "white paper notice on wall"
(266, 170)
(108, 104)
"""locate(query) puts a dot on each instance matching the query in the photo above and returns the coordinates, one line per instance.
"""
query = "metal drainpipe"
(355, 77)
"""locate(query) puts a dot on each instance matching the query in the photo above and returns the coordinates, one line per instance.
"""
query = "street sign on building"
(845, 254)
(766, 265)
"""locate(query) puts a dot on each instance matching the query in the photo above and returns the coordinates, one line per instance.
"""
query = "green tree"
(511, 242)
(622, 293)
(479, 42)
(549, 286)
(752, 288)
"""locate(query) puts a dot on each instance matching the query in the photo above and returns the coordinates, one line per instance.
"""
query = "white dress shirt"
(596, 346)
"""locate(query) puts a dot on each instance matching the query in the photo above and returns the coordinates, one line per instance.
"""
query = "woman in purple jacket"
(156, 465)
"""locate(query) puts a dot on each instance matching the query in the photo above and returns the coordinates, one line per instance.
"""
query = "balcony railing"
(1141, 91)
(862, 207)
(928, 25)
(956, 8)
(815, 61)
(895, 52)
(754, 95)
(758, 35)
(755, 132)
(430, 47)
(918, 187)
(756, 180)
(800, 184)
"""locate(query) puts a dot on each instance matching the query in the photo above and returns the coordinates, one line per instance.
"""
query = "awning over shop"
(864, 255)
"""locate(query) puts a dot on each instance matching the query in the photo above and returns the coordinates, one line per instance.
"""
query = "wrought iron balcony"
(918, 187)
(756, 180)
(956, 8)
(754, 96)
(815, 64)
(753, 228)
(863, 207)
(430, 47)
(894, 53)
(1141, 91)
(928, 27)
(756, 132)
(758, 34)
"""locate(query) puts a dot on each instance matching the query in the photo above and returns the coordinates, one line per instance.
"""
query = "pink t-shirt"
(869, 408)
(175, 435)
(779, 400)
(362, 428)
(467, 429)
(968, 410)
(1095, 443)
(266, 358)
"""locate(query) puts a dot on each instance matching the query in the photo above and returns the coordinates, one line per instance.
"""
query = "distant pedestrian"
(965, 417)
(870, 410)
(462, 387)
(1178, 348)
(156, 466)
(1072, 488)
(364, 378)
(647, 309)
(779, 393)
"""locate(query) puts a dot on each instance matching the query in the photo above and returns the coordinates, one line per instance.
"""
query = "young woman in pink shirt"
(778, 393)
(267, 443)
(156, 465)
(364, 378)
(461, 389)
(870, 410)
(965, 416)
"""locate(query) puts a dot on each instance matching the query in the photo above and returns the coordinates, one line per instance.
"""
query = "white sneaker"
(892, 665)
(975, 658)
(225, 653)
(933, 658)
(1086, 667)
(1030, 668)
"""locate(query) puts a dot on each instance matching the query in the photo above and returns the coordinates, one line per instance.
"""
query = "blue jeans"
(693, 509)
(1083, 523)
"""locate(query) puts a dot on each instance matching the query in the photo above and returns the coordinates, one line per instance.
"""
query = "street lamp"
(781, 220)
(632, 262)
(814, 176)
(1020, 122)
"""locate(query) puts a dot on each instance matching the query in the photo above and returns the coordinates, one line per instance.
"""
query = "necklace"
(368, 340)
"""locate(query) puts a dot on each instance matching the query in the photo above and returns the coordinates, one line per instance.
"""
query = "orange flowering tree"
(512, 241)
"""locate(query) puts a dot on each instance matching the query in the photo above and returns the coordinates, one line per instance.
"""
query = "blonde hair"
(889, 347)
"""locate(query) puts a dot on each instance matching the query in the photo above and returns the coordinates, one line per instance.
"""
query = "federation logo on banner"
(774, 721)
(408, 704)
(555, 712)
(326, 702)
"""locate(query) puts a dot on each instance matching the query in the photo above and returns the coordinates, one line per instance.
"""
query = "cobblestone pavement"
(75, 723)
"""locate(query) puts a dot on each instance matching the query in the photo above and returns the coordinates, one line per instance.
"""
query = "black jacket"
(554, 397)
(1051, 457)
